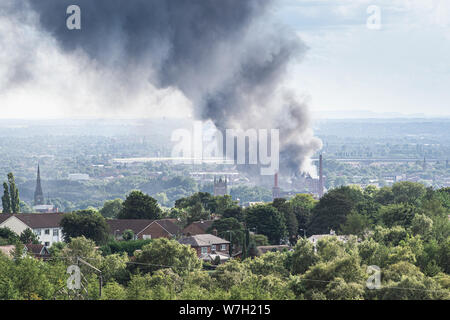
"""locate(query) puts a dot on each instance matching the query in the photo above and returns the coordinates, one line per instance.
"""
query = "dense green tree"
(111, 208)
(196, 213)
(303, 257)
(113, 291)
(384, 196)
(302, 205)
(234, 212)
(14, 194)
(164, 253)
(266, 220)
(7, 236)
(408, 192)
(397, 215)
(332, 210)
(91, 226)
(356, 224)
(25, 208)
(138, 205)
(29, 237)
(421, 225)
(6, 199)
(259, 239)
(284, 207)
(128, 235)
(225, 226)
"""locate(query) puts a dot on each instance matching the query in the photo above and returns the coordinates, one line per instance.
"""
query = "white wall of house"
(48, 236)
(47, 239)
(16, 225)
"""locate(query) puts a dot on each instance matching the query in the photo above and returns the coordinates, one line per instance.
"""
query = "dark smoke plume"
(229, 57)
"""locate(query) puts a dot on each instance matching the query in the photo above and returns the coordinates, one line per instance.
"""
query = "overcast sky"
(402, 68)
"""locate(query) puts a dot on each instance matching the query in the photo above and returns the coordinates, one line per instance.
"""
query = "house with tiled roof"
(38, 251)
(197, 227)
(46, 226)
(208, 246)
(144, 228)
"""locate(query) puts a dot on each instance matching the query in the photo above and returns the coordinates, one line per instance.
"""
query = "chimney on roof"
(214, 232)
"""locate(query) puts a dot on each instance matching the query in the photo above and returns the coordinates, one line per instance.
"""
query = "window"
(47, 231)
(47, 244)
(223, 247)
(55, 232)
(37, 232)
(213, 247)
(204, 250)
(146, 236)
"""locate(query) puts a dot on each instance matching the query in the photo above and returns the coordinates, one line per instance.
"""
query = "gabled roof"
(202, 240)
(36, 220)
(4, 217)
(118, 226)
(170, 225)
(202, 226)
(36, 249)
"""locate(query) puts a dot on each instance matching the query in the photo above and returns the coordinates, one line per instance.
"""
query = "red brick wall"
(218, 249)
(156, 231)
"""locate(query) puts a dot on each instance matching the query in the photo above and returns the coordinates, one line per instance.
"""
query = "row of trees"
(165, 269)
(10, 198)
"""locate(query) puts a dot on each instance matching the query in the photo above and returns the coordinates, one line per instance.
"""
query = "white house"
(45, 225)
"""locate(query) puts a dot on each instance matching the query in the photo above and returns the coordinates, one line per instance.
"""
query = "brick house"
(197, 227)
(144, 229)
(208, 246)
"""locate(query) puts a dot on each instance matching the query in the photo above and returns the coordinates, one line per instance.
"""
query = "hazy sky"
(404, 67)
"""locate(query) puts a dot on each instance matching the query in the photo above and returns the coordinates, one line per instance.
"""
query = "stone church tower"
(220, 187)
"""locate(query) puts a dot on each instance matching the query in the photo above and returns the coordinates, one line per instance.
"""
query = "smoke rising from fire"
(228, 57)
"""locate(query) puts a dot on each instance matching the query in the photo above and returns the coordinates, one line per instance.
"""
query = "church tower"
(220, 187)
(38, 194)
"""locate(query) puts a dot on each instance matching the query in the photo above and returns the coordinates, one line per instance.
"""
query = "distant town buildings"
(78, 177)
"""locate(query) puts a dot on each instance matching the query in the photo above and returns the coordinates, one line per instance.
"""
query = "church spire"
(38, 194)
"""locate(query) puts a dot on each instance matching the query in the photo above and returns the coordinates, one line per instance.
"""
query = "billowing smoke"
(228, 57)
